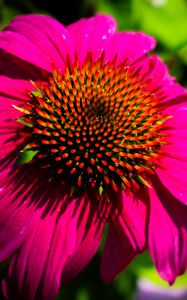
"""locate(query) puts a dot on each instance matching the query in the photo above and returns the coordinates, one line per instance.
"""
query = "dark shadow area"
(67, 12)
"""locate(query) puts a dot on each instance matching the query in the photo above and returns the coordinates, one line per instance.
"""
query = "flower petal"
(27, 265)
(116, 255)
(14, 68)
(173, 175)
(15, 94)
(178, 111)
(36, 269)
(129, 46)
(176, 145)
(167, 235)
(14, 229)
(15, 87)
(16, 220)
(127, 235)
(39, 40)
(88, 238)
(92, 35)
(160, 80)
(133, 218)
(173, 172)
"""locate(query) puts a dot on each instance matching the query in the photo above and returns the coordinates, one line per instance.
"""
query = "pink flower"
(93, 131)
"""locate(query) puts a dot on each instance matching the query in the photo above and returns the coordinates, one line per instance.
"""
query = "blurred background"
(166, 20)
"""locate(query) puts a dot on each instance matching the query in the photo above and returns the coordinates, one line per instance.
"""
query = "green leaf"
(183, 53)
(166, 21)
(120, 9)
(26, 155)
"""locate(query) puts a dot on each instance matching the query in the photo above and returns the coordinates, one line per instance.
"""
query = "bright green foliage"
(26, 155)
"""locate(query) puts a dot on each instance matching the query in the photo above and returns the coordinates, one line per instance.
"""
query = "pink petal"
(15, 86)
(160, 79)
(16, 220)
(12, 92)
(11, 142)
(133, 218)
(176, 145)
(129, 46)
(173, 172)
(173, 175)
(52, 250)
(154, 74)
(14, 68)
(167, 233)
(92, 34)
(127, 235)
(88, 237)
(14, 226)
(39, 40)
(27, 266)
(117, 254)
(178, 111)
(15, 79)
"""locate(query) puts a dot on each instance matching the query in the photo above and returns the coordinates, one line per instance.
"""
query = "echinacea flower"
(93, 131)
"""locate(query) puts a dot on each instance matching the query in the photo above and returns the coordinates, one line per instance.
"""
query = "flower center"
(96, 126)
